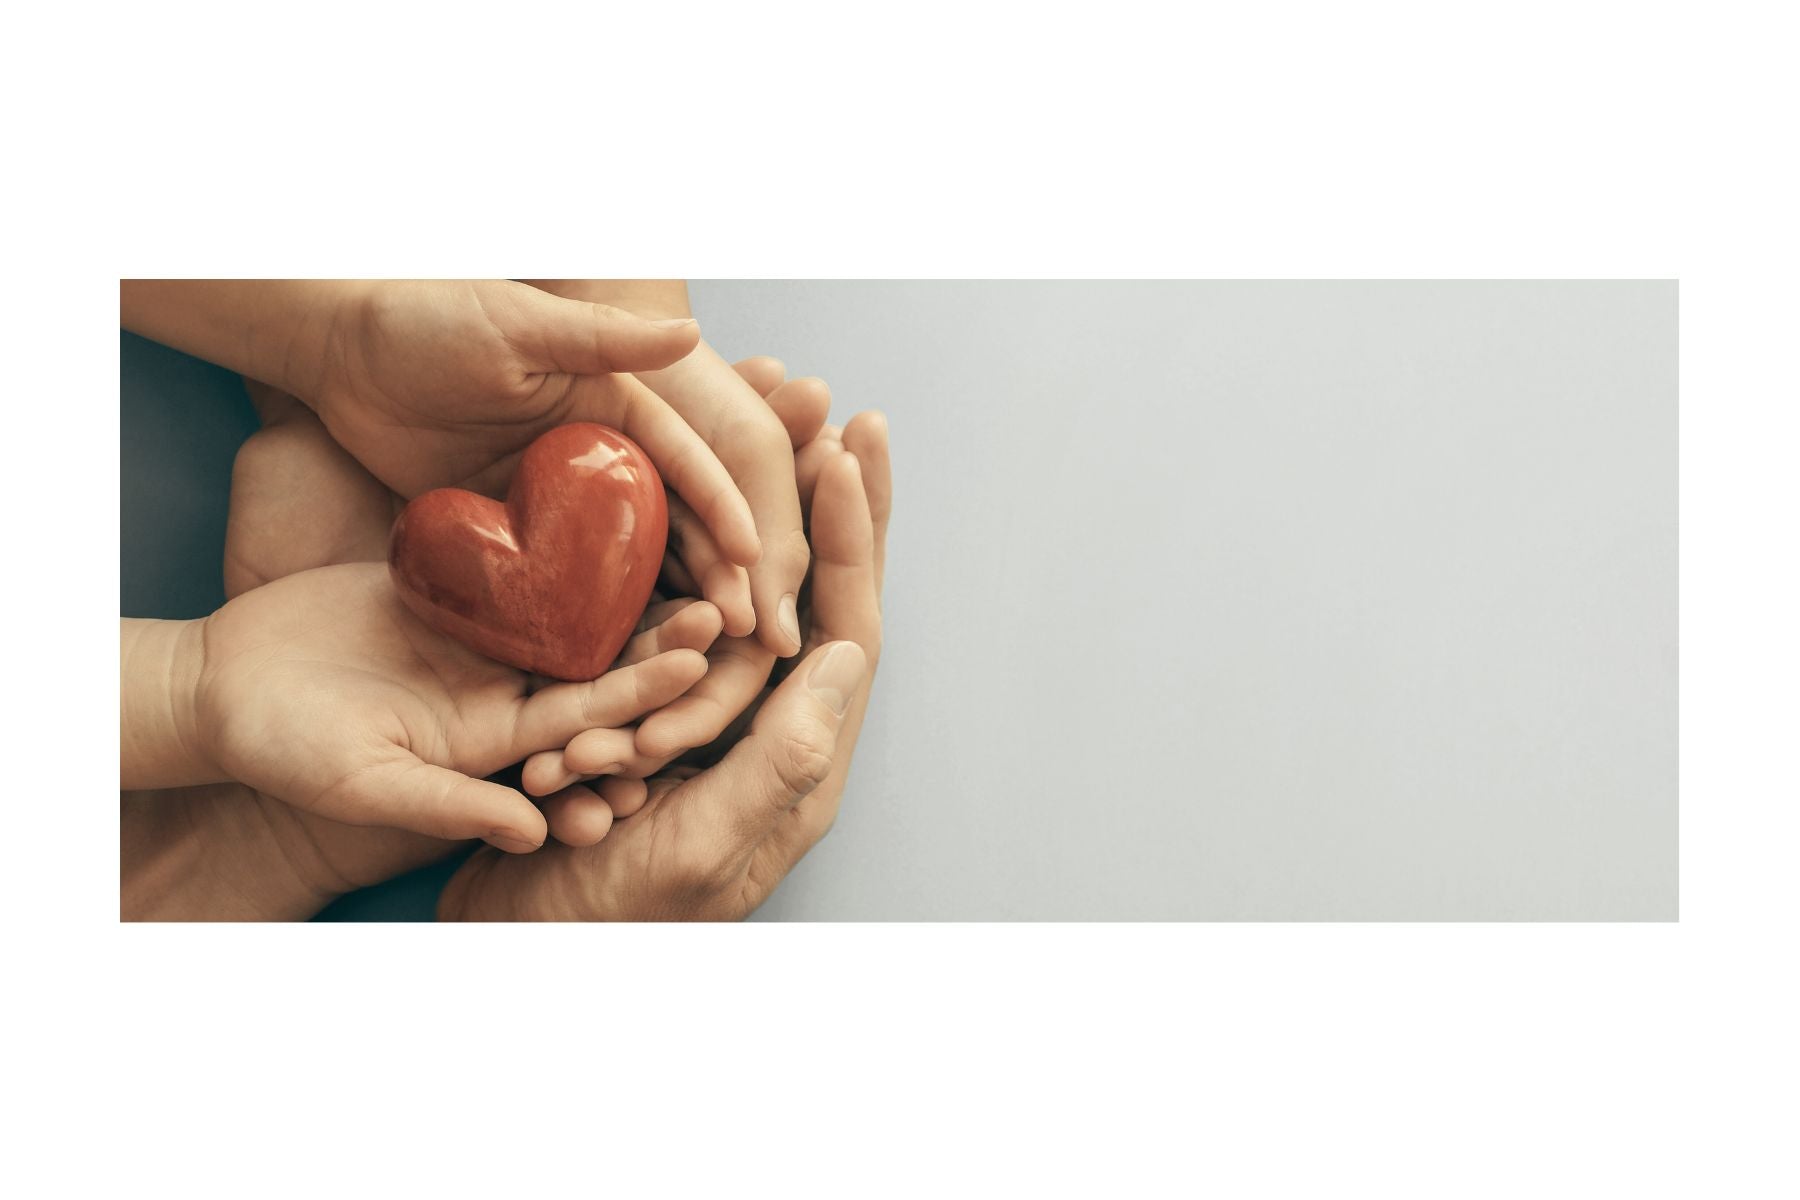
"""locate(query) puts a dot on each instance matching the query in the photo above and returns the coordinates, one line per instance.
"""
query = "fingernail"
(836, 675)
(789, 617)
(673, 322)
(512, 841)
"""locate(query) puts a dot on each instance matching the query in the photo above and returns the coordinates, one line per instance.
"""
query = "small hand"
(324, 691)
(725, 410)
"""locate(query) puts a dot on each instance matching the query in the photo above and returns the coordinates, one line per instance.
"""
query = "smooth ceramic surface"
(553, 580)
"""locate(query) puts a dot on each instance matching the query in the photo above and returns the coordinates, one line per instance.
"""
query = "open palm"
(322, 689)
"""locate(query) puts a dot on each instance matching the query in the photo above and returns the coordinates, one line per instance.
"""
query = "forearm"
(275, 330)
(159, 735)
(210, 854)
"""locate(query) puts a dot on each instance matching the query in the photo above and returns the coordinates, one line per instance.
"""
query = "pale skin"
(444, 383)
(307, 859)
(712, 845)
(722, 407)
(323, 690)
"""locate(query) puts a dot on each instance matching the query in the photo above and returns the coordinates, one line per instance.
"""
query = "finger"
(763, 373)
(684, 460)
(802, 405)
(766, 471)
(407, 793)
(579, 338)
(624, 796)
(721, 581)
(789, 751)
(545, 773)
(754, 447)
(577, 816)
(845, 603)
(552, 717)
(682, 625)
(661, 608)
(866, 436)
(600, 751)
(811, 458)
(735, 673)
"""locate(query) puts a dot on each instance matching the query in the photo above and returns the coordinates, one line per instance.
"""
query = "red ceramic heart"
(555, 579)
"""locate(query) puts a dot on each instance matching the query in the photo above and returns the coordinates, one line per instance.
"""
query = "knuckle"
(757, 435)
(794, 550)
(589, 708)
(802, 758)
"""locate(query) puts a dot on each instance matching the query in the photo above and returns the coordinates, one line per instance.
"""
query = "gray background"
(1229, 601)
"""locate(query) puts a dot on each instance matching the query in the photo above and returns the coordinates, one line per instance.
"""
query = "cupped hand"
(714, 844)
(323, 690)
(725, 409)
(439, 382)
(738, 667)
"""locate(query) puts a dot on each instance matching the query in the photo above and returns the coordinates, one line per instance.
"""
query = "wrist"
(276, 331)
(211, 853)
(161, 739)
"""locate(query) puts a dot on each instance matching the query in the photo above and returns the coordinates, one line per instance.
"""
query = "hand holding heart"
(713, 844)
(323, 690)
(444, 383)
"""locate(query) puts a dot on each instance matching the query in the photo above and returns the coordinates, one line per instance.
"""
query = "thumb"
(407, 793)
(789, 751)
(575, 337)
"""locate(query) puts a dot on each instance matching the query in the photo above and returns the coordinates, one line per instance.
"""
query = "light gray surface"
(1256, 601)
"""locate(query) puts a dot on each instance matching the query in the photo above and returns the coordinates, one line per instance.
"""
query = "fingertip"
(678, 335)
(546, 772)
(727, 586)
(871, 422)
(746, 549)
(578, 816)
(702, 622)
(762, 372)
(687, 661)
(624, 797)
(523, 832)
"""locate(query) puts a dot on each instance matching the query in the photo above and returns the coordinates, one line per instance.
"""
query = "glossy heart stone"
(555, 579)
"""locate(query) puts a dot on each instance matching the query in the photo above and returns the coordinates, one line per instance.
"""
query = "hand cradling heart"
(553, 580)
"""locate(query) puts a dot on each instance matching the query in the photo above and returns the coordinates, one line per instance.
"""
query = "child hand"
(725, 407)
(738, 667)
(324, 691)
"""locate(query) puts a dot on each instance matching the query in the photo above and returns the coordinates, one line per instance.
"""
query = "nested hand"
(722, 405)
(713, 844)
(739, 666)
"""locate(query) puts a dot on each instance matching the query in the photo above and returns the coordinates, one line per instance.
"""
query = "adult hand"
(713, 845)
(433, 383)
